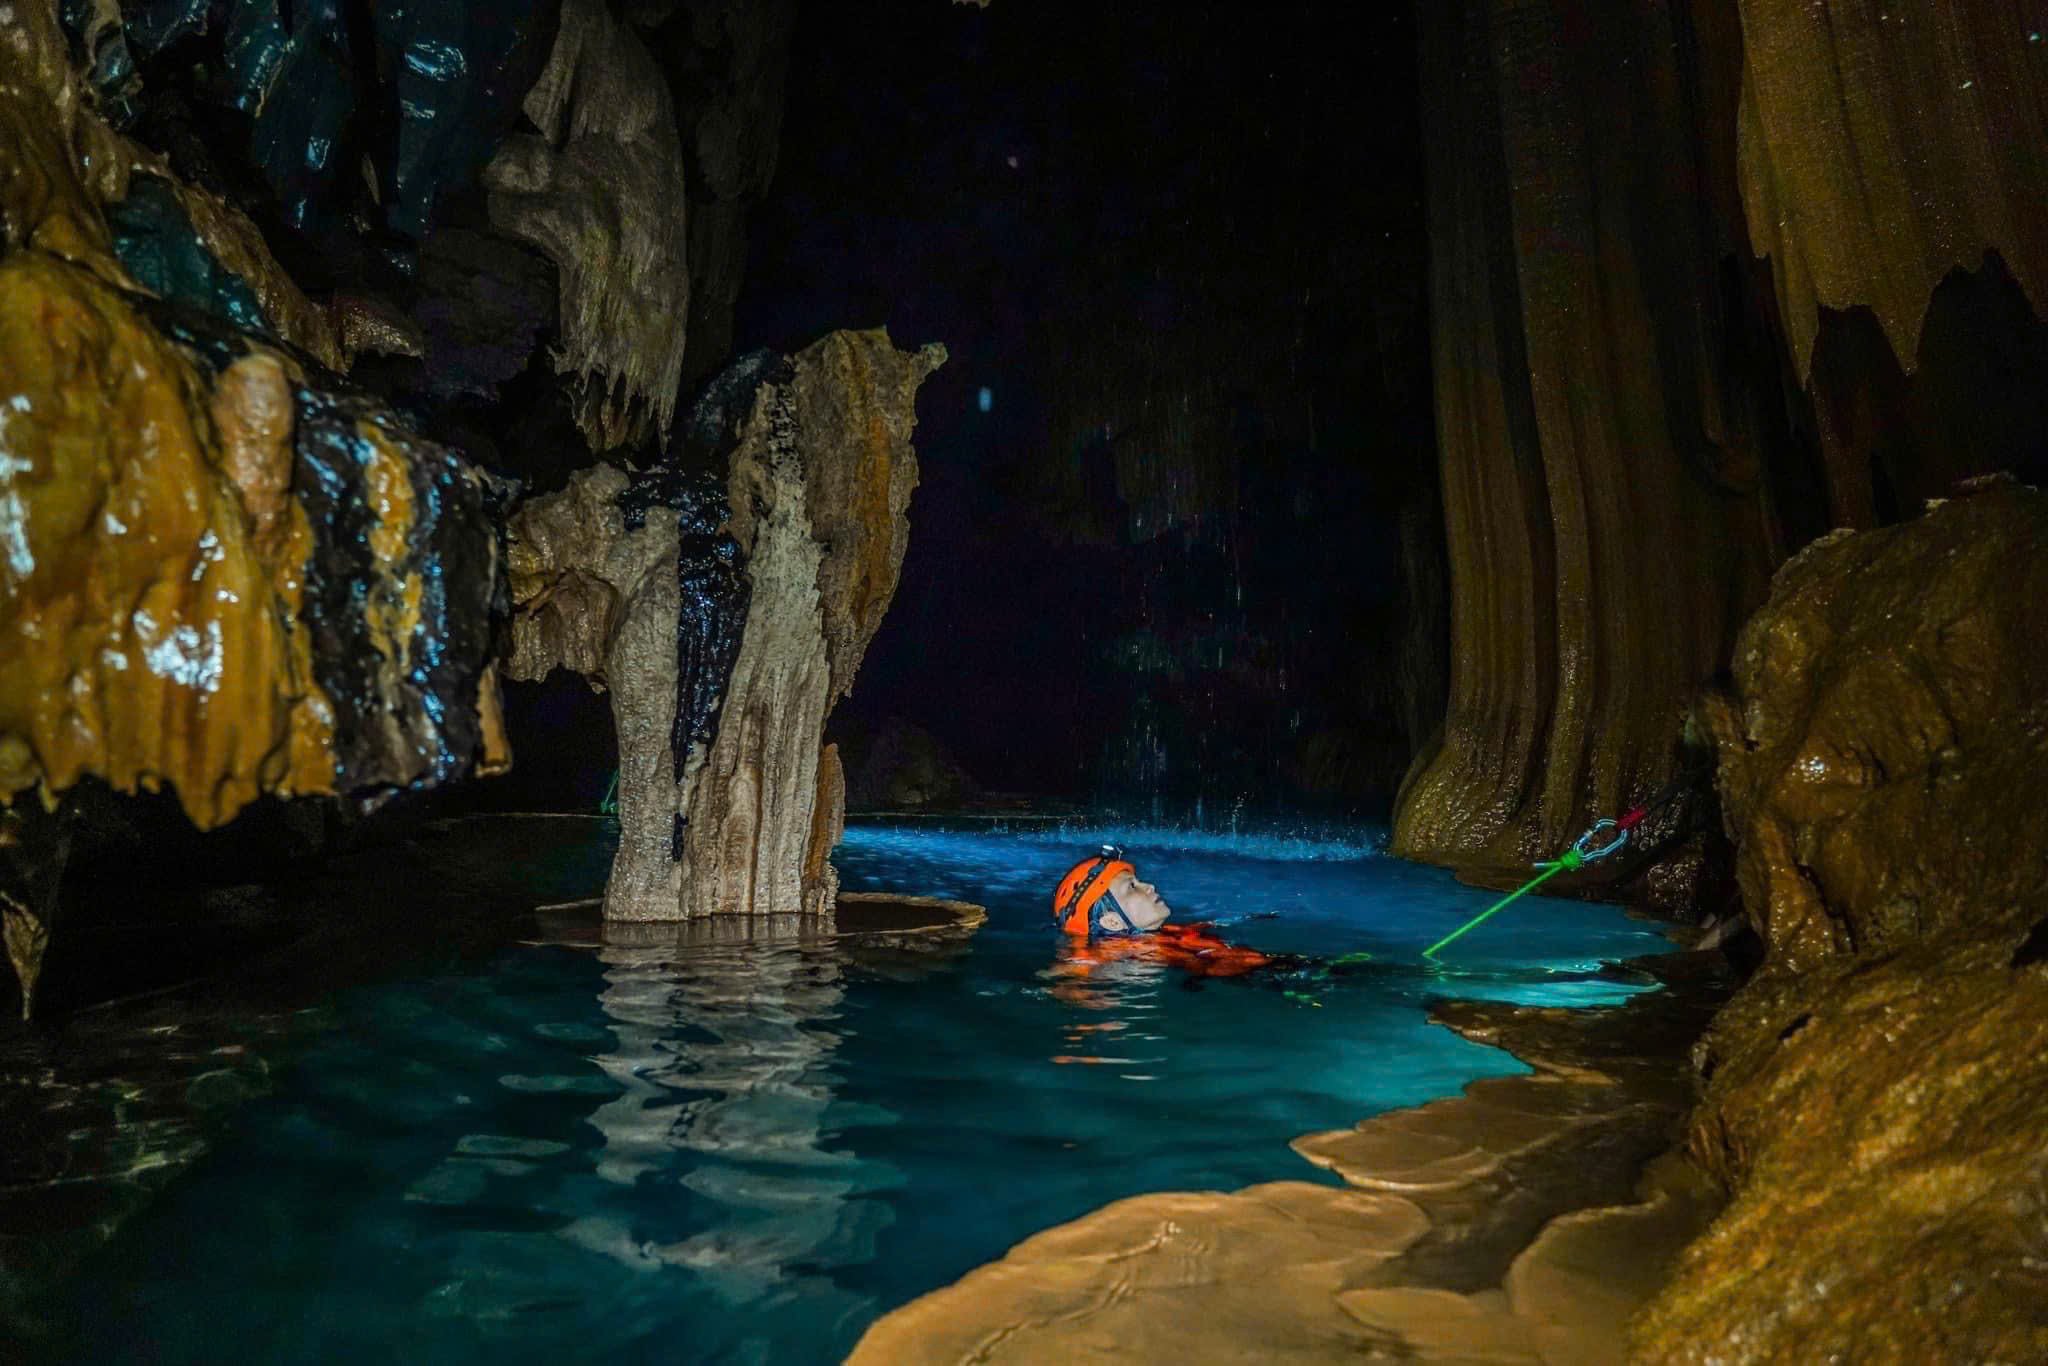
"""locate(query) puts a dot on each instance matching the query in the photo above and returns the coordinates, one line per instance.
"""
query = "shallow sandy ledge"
(1519, 1222)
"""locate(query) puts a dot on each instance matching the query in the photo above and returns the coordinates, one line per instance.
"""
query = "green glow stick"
(1571, 859)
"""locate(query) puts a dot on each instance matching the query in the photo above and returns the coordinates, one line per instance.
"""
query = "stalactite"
(600, 190)
(1883, 146)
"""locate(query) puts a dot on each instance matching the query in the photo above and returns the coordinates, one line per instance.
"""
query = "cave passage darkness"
(1176, 255)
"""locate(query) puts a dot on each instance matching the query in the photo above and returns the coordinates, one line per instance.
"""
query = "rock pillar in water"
(727, 621)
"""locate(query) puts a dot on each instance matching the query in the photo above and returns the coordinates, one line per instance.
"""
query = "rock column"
(726, 637)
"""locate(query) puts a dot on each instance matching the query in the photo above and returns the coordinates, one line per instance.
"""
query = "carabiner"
(1591, 855)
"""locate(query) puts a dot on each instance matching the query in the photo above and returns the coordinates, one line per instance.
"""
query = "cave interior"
(1458, 420)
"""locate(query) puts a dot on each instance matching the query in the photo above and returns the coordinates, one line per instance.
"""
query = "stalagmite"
(726, 621)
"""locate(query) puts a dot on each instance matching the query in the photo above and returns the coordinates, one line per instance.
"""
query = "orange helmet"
(1082, 897)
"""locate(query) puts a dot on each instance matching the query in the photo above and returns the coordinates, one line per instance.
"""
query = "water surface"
(745, 1152)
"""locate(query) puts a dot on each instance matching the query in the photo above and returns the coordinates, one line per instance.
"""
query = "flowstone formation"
(727, 620)
(1600, 437)
(1639, 415)
(220, 570)
(1516, 1224)
(1877, 1094)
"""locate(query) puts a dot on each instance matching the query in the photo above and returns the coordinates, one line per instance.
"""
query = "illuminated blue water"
(746, 1153)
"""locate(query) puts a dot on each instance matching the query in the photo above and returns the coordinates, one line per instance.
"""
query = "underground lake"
(563, 1148)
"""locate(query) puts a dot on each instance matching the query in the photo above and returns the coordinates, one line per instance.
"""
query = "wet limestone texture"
(600, 189)
(726, 638)
(1516, 1223)
(218, 571)
(1884, 146)
(403, 101)
(1878, 1092)
(1643, 221)
(1602, 439)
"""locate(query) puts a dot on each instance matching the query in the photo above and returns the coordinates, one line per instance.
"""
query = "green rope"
(1571, 860)
(609, 805)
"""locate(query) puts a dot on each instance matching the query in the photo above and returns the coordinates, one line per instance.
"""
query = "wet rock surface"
(1849, 211)
(1606, 434)
(1520, 1222)
(223, 572)
(1877, 1094)
(726, 620)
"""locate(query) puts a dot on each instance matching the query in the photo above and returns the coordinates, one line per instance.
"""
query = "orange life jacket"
(1194, 949)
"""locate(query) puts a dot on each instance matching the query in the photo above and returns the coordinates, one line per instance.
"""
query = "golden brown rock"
(235, 243)
(252, 412)
(1884, 145)
(146, 638)
(858, 398)
(1250, 1277)
(60, 163)
(1878, 1092)
(1600, 451)
(367, 324)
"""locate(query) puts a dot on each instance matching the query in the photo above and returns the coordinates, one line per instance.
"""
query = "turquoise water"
(747, 1152)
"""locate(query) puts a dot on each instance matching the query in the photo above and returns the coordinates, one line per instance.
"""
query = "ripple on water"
(748, 1152)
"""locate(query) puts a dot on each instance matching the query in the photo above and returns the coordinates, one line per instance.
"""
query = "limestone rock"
(62, 166)
(1883, 147)
(826, 455)
(218, 571)
(1878, 1092)
(1601, 448)
(728, 621)
(600, 190)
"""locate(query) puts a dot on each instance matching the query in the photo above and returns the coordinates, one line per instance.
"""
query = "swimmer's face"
(1141, 903)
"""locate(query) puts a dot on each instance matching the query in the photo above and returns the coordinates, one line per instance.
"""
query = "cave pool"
(746, 1153)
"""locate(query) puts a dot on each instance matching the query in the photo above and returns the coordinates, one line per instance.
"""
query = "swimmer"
(1107, 911)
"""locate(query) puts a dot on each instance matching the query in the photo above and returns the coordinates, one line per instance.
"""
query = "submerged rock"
(727, 621)
(1517, 1222)
(1878, 1093)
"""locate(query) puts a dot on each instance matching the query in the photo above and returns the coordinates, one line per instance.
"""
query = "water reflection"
(724, 1039)
(1123, 989)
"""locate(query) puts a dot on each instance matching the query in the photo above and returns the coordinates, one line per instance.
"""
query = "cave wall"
(1599, 451)
(1875, 1094)
(225, 573)
(1668, 328)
